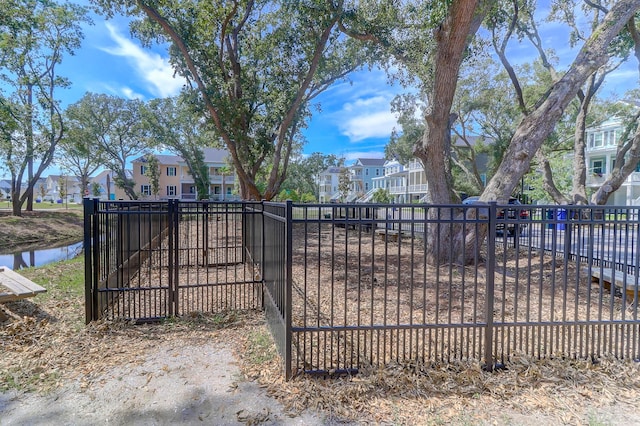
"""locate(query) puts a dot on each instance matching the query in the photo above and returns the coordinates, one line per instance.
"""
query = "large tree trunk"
(452, 39)
(16, 205)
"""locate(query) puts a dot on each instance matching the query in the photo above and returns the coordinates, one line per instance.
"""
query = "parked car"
(517, 215)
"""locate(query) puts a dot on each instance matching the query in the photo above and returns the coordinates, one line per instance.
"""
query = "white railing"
(397, 190)
(367, 197)
(418, 189)
(634, 177)
(596, 179)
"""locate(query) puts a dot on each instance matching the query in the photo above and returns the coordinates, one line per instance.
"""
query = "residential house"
(363, 172)
(394, 180)
(600, 153)
(328, 182)
(103, 186)
(175, 180)
(168, 180)
(222, 180)
(406, 183)
(40, 190)
(5, 189)
(56, 186)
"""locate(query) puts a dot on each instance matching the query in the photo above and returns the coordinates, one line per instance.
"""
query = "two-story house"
(394, 180)
(60, 189)
(175, 180)
(5, 189)
(363, 171)
(103, 186)
(600, 153)
(168, 178)
(328, 183)
(222, 179)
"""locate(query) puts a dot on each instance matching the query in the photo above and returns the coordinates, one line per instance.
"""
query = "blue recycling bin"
(561, 215)
(550, 218)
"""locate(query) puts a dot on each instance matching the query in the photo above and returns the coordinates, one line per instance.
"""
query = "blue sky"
(355, 120)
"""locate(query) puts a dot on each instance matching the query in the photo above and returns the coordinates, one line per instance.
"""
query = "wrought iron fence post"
(245, 231)
(567, 232)
(489, 293)
(90, 208)
(173, 239)
(288, 281)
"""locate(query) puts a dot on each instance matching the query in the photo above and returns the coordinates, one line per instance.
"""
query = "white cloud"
(352, 156)
(155, 70)
(130, 94)
(367, 118)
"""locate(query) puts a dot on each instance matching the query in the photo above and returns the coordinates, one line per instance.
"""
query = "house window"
(595, 140)
(171, 191)
(143, 169)
(609, 138)
(228, 190)
(145, 189)
(377, 172)
(366, 186)
(366, 172)
(597, 167)
(171, 171)
(192, 189)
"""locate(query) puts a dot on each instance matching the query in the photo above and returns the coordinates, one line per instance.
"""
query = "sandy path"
(174, 385)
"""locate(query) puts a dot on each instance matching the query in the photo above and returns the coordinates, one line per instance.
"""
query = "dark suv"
(517, 215)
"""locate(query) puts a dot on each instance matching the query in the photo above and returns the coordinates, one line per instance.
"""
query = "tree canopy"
(34, 38)
(255, 65)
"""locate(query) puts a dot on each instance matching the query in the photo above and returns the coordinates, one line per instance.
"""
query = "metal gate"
(150, 260)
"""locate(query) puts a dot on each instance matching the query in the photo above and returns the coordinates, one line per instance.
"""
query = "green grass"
(44, 206)
(63, 280)
(260, 347)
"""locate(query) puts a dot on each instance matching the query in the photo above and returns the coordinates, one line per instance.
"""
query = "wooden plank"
(19, 287)
(617, 278)
(388, 234)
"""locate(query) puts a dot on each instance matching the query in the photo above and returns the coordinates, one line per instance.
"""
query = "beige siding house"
(175, 181)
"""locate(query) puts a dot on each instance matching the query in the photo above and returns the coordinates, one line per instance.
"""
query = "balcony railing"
(595, 179)
(418, 189)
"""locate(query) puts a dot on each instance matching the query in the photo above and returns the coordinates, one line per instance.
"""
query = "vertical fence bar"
(288, 282)
(89, 207)
(173, 238)
(491, 260)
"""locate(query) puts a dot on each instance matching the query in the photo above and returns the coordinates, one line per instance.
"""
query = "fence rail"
(353, 285)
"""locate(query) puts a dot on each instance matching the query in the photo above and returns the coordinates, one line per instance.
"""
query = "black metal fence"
(146, 261)
(351, 286)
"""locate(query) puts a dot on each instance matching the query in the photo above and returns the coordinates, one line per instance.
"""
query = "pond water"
(40, 256)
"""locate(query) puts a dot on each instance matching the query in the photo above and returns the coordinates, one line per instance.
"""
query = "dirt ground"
(183, 373)
(39, 228)
(224, 370)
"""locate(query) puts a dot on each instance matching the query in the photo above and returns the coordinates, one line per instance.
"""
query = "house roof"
(168, 159)
(333, 170)
(211, 155)
(371, 161)
(214, 155)
(162, 159)
(68, 178)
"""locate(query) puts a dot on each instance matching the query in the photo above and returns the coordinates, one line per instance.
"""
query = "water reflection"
(40, 256)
